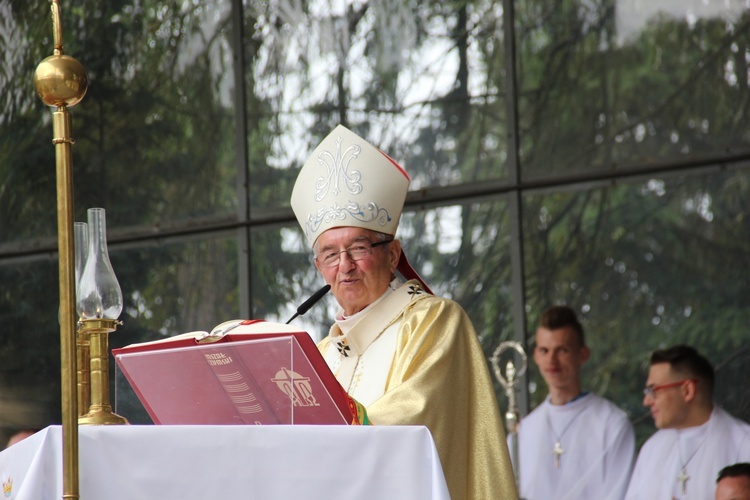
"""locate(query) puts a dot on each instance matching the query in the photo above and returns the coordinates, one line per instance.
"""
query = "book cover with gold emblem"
(243, 372)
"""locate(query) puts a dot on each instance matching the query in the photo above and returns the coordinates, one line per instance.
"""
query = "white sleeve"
(619, 460)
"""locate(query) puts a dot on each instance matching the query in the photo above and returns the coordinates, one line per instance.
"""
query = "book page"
(197, 335)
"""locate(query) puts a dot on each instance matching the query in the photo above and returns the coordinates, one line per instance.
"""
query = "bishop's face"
(668, 406)
(356, 283)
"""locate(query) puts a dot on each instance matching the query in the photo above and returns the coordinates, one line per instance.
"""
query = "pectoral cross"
(343, 348)
(557, 451)
(683, 478)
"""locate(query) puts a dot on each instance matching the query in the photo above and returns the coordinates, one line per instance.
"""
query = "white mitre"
(348, 182)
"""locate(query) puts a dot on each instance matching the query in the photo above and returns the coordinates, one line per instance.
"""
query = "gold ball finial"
(60, 80)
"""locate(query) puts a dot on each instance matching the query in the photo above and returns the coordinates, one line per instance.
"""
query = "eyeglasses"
(357, 251)
(651, 390)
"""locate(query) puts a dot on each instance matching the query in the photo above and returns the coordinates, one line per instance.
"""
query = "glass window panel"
(27, 161)
(154, 134)
(29, 346)
(647, 264)
(176, 287)
(608, 85)
(282, 277)
(422, 82)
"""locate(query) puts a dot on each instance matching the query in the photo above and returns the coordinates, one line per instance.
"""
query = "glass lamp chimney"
(81, 240)
(99, 293)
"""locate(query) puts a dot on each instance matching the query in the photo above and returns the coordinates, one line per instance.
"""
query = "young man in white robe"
(695, 438)
(409, 357)
(575, 445)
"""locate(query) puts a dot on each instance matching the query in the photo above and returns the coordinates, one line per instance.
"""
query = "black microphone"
(306, 305)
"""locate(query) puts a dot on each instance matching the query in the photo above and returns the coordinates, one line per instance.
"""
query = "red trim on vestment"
(409, 273)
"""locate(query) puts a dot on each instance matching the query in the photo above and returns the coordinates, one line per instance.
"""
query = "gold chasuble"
(438, 378)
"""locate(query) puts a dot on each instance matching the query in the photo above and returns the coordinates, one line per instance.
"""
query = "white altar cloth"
(230, 462)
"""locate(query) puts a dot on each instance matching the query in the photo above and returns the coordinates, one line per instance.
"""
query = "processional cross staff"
(509, 382)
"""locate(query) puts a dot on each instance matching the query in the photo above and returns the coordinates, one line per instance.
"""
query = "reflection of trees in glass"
(153, 145)
(158, 114)
(579, 106)
(590, 100)
(648, 265)
(29, 346)
(317, 65)
(27, 175)
(424, 100)
(154, 128)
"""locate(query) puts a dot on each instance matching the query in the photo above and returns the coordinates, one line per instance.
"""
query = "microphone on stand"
(306, 305)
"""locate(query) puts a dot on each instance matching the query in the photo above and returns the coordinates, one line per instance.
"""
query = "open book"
(242, 372)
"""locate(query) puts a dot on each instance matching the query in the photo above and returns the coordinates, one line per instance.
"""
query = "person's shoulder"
(420, 293)
(723, 413)
(531, 422)
(604, 404)
(728, 420)
(538, 412)
(658, 440)
(421, 299)
(438, 315)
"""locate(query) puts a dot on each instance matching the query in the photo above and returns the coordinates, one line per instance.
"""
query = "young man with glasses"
(582, 445)
(409, 357)
(695, 437)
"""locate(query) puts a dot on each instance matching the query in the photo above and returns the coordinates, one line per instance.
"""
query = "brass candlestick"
(83, 359)
(100, 411)
(99, 305)
(81, 232)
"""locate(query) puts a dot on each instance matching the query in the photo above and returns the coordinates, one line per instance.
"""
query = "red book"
(243, 372)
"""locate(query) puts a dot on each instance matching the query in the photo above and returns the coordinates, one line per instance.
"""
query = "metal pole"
(61, 81)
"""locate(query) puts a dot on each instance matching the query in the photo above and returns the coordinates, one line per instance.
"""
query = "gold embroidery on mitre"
(348, 182)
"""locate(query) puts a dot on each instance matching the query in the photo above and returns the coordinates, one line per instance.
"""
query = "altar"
(226, 462)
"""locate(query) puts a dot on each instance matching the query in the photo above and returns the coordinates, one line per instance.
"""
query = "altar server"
(408, 356)
(575, 445)
(695, 438)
